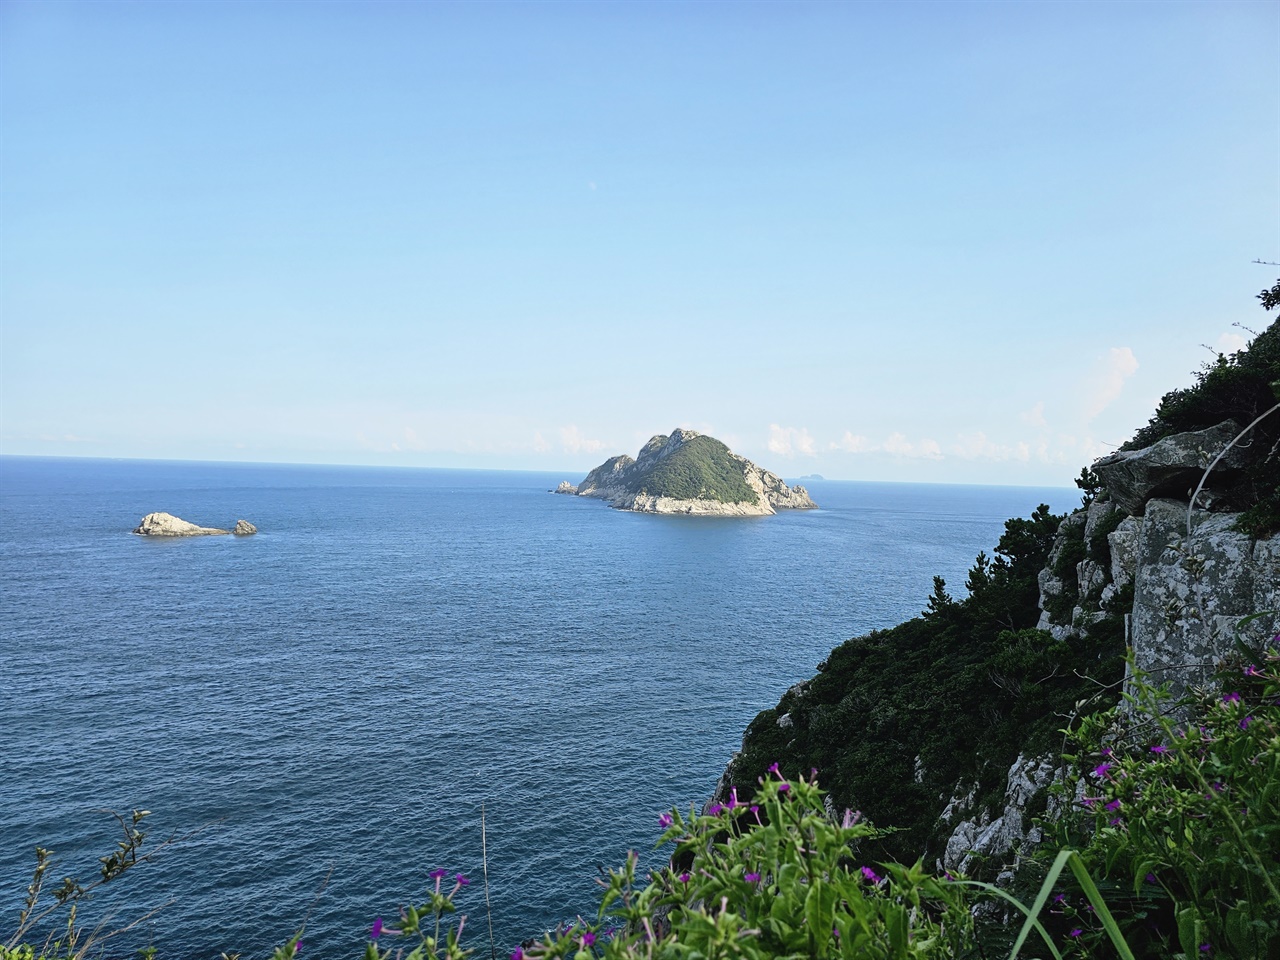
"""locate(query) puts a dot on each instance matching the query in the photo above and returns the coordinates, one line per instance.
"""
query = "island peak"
(686, 472)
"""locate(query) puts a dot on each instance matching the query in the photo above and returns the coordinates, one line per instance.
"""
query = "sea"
(404, 671)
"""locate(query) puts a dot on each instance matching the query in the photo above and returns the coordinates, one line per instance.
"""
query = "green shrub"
(1181, 804)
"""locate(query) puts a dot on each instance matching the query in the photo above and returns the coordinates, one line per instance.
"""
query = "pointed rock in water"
(167, 525)
(565, 487)
(689, 473)
(244, 528)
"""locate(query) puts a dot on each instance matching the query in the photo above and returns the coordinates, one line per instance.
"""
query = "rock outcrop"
(1187, 597)
(1171, 467)
(689, 473)
(167, 525)
(565, 487)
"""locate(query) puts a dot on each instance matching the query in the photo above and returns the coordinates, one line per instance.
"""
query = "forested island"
(689, 473)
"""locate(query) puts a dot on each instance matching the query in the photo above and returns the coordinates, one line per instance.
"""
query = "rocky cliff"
(946, 726)
(689, 473)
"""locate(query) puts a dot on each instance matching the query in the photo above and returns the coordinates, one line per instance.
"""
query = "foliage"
(1270, 298)
(894, 720)
(700, 468)
(1090, 483)
(776, 878)
(423, 924)
(1181, 804)
(70, 938)
(1241, 386)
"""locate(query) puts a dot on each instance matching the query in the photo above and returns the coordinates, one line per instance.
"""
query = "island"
(689, 473)
(167, 525)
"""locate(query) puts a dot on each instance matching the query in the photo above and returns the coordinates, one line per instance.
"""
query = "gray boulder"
(1190, 595)
(167, 525)
(244, 528)
(1171, 467)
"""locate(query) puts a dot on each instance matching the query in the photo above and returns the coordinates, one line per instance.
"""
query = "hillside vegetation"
(702, 468)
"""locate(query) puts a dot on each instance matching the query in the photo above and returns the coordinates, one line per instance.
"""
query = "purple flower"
(1113, 805)
(517, 954)
(1151, 878)
(1076, 931)
(297, 948)
(715, 810)
(784, 787)
(664, 820)
(1244, 723)
(751, 877)
(376, 932)
(850, 818)
(437, 874)
(684, 877)
(1217, 786)
(733, 798)
(1115, 821)
(1090, 801)
(756, 810)
(462, 881)
(1249, 671)
(1232, 697)
(1159, 748)
(773, 768)
(870, 875)
(1106, 751)
(588, 938)
(1060, 898)
(1101, 769)
(1206, 947)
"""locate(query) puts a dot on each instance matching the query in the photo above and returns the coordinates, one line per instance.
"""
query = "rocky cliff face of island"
(947, 726)
(689, 473)
(167, 525)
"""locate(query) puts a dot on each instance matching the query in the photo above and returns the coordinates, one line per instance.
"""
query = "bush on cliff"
(1241, 386)
(894, 720)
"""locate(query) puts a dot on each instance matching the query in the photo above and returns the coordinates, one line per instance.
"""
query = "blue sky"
(955, 242)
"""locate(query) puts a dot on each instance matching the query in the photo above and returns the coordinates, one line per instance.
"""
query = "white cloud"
(1035, 416)
(1229, 343)
(788, 441)
(1108, 379)
(572, 441)
(853, 443)
(540, 444)
(900, 446)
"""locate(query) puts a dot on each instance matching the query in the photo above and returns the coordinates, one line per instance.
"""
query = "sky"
(942, 242)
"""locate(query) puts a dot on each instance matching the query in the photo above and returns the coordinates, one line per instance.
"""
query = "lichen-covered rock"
(1124, 551)
(1189, 595)
(167, 525)
(1171, 467)
(565, 487)
(244, 528)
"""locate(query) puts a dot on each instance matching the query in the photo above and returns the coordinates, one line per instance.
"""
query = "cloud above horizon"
(788, 441)
(1108, 379)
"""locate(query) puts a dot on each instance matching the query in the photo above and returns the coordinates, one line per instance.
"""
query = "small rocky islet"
(689, 473)
(167, 525)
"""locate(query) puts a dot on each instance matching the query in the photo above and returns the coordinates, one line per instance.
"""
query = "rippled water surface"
(333, 700)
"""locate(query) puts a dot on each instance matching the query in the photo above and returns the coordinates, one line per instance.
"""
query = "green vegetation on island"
(701, 468)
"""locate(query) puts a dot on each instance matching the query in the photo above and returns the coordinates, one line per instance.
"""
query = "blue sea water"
(329, 704)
